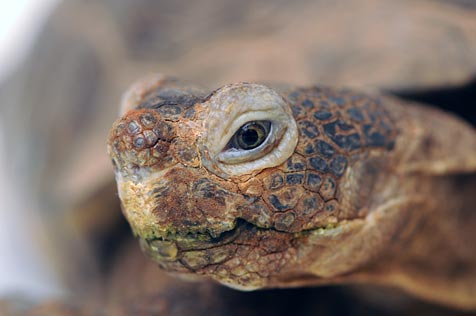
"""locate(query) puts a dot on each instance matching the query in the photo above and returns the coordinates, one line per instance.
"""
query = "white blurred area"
(23, 272)
(20, 21)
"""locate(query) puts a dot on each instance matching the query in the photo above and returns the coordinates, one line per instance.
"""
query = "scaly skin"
(347, 188)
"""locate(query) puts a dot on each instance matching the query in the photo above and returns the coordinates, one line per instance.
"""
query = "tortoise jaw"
(206, 240)
(171, 246)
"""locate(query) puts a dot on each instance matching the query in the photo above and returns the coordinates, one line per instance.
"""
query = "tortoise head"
(219, 184)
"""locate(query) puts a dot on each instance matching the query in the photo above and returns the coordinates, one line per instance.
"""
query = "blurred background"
(22, 268)
(64, 65)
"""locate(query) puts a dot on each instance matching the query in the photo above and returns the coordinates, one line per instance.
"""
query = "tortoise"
(420, 45)
(257, 188)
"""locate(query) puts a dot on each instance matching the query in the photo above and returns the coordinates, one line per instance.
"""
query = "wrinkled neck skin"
(433, 253)
(345, 188)
(420, 232)
(423, 244)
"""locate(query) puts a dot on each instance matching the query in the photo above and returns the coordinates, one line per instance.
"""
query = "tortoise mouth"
(171, 246)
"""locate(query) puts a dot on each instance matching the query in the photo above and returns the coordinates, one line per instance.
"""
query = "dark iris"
(251, 135)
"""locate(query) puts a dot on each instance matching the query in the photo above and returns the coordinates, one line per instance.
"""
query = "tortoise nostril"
(142, 138)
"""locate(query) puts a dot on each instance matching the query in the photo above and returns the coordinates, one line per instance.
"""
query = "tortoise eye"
(251, 135)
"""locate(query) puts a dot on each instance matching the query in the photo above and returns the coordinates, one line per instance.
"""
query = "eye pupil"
(252, 134)
(250, 137)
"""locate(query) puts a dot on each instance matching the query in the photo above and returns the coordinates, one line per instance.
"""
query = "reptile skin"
(347, 187)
